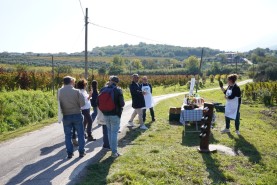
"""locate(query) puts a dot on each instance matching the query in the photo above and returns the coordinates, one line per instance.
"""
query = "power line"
(78, 37)
(82, 8)
(123, 32)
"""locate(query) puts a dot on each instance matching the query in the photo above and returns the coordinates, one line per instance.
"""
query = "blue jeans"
(94, 114)
(87, 123)
(70, 122)
(237, 120)
(112, 123)
(105, 137)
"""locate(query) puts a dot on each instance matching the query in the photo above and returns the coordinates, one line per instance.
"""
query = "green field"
(164, 155)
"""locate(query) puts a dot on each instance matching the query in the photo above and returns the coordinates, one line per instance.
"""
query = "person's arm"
(121, 98)
(223, 90)
(150, 88)
(135, 91)
(221, 86)
(132, 90)
(81, 99)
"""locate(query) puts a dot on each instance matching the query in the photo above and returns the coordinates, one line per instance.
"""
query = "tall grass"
(21, 108)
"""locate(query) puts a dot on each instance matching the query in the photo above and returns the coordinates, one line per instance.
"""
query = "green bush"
(20, 108)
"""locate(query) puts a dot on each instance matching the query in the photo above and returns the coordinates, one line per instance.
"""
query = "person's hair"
(135, 75)
(233, 77)
(81, 84)
(67, 80)
(94, 85)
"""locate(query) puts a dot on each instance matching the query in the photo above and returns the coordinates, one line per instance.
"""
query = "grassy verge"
(164, 155)
(22, 111)
(29, 128)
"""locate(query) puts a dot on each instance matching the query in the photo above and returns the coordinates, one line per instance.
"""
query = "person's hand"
(220, 84)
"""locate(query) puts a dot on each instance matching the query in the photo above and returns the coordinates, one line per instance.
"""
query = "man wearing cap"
(137, 101)
(71, 101)
(112, 118)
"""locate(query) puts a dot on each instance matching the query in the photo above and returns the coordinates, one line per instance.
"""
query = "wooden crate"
(174, 113)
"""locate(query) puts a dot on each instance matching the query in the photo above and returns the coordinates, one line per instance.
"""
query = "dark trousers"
(94, 114)
(105, 137)
(237, 120)
(151, 113)
(87, 123)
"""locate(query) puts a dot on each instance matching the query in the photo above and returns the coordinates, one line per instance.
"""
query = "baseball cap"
(114, 79)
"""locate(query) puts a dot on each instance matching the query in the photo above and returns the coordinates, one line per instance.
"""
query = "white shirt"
(86, 95)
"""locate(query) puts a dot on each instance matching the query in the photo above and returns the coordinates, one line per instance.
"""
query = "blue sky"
(58, 25)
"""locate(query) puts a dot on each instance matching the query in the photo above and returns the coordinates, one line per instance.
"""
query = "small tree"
(117, 66)
(192, 65)
(102, 71)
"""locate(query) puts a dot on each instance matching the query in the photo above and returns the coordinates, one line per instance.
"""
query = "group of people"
(75, 104)
(141, 100)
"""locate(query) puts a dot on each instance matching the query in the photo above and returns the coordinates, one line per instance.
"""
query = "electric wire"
(123, 32)
(82, 8)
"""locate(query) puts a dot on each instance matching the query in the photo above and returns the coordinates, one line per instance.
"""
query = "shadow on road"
(49, 168)
(48, 150)
(99, 171)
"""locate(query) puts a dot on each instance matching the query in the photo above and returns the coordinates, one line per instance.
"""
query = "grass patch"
(164, 155)
(28, 109)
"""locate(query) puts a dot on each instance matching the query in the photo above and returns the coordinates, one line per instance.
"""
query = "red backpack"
(106, 99)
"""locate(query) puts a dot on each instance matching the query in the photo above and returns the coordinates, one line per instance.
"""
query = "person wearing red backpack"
(111, 102)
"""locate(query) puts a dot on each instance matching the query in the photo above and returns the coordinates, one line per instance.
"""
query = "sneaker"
(115, 155)
(237, 132)
(90, 138)
(225, 130)
(106, 148)
(69, 156)
(82, 154)
(153, 120)
(130, 123)
(75, 142)
(143, 127)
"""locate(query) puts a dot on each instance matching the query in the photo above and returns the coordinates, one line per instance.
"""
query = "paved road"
(39, 157)
(247, 61)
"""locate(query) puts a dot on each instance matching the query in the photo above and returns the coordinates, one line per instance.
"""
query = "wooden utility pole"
(86, 45)
(197, 84)
(53, 77)
(201, 59)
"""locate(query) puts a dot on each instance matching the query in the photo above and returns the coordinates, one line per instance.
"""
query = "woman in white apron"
(149, 104)
(233, 101)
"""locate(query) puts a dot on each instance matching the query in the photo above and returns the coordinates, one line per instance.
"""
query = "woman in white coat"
(233, 101)
(147, 89)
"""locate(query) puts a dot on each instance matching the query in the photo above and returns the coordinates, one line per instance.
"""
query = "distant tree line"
(151, 50)
(264, 66)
